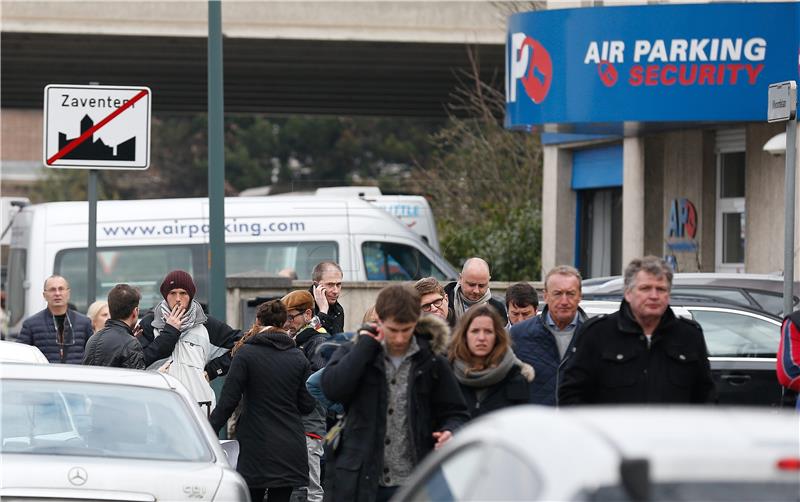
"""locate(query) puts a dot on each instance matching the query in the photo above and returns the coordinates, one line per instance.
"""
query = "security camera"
(776, 145)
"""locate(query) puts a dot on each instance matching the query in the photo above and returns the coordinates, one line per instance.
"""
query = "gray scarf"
(193, 317)
(462, 304)
(487, 377)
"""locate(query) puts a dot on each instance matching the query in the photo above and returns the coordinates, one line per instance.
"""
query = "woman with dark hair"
(490, 375)
(269, 373)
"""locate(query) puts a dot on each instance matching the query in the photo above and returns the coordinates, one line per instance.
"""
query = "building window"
(731, 214)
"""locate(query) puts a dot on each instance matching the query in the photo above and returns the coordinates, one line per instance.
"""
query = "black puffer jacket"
(356, 377)
(613, 364)
(39, 330)
(270, 372)
(221, 336)
(114, 346)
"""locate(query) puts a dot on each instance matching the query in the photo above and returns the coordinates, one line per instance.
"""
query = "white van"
(413, 210)
(138, 242)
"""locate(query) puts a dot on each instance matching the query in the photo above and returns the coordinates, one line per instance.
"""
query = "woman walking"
(490, 375)
(269, 373)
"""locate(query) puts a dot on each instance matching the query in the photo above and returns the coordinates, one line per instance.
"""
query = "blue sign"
(648, 64)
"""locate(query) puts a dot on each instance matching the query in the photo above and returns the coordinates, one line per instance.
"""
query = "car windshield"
(98, 420)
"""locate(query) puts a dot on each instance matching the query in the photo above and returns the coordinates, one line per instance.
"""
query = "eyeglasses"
(290, 317)
(434, 304)
(60, 289)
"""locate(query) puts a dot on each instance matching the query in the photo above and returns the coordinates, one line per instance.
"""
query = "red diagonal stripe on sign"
(89, 132)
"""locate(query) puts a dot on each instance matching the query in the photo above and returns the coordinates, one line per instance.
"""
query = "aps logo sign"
(531, 64)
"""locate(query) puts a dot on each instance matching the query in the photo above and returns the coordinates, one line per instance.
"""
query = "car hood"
(92, 478)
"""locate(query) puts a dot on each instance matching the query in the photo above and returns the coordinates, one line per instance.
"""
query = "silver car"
(88, 433)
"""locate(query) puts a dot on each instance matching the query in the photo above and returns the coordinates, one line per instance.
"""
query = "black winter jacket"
(355, 377)
(451, 312)
(308, 340)
(613, 364)
(114, 346)
(39, 330)
(510, 391)
(221, 336)
(270, 372)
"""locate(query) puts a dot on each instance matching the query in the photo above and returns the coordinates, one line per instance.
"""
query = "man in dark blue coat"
(547, 341)
(59, 332)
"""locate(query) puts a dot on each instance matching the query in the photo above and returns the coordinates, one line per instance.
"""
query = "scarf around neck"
(191, 318)
(486, 377)
(461, 303)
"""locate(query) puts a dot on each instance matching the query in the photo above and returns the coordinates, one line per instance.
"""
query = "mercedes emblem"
(77, 476)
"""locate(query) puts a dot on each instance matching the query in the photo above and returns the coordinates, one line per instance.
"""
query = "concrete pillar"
(632, 199)
(558, 209)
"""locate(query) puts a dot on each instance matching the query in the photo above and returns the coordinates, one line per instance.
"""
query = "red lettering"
(687, 80)
(721, 74)
(752, 73)
(706, 74)
(734, 70)
(651, 76)
(636, 75)
(668, 68)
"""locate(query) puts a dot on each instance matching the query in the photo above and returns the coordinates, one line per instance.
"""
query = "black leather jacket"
(115, 346)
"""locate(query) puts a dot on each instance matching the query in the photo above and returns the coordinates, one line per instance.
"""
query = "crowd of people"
(365, 408)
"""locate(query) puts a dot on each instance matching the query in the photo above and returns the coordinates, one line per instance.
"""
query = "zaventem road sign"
(97, 127)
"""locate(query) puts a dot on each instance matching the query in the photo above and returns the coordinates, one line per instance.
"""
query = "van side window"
(389, 261)
(274, 257)
(143, 267)
(17, 268)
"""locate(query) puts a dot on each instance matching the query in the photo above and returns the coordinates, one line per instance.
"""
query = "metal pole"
(216, 164)
(91, 254)
(788, 245)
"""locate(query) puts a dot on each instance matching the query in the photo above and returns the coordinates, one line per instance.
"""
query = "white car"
(88, 433)
(615, 453)
(13, 352)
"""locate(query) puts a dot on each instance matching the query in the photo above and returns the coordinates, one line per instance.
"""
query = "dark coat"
(221, 336)
(612, 363)
(114, 346)
(510, 391)
(536, 345)
(356, 377)
(39, 330)
(333, 321)
(498, 305)
(271, 373)
(308, 340)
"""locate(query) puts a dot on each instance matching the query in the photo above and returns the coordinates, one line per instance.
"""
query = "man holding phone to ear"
(327, 287)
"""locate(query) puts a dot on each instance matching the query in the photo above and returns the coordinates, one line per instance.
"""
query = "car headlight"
(232, 488)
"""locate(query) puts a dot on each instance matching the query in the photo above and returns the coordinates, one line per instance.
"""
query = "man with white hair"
(642, 353)
(472, 288)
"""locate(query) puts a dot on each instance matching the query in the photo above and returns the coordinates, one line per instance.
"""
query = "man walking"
(522, 301)
(327, 287)
(401, 397)
(433, 299)
(547, 341)
(642, 353)
(115, 345)
(59, 332)
(472, 288)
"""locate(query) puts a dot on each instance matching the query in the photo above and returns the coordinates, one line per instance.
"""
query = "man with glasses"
(58, 331)
(433, 299)
(326, 288)
(547, 341)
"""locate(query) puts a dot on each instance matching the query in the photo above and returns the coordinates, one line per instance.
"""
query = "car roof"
(13, 352)
(766, 282)
(682, 307)
(90, 374)
(680, 442)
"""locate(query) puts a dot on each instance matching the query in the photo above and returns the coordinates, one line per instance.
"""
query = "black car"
(742, 345)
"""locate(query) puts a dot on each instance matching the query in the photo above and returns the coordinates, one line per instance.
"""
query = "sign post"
(782, 107)
(96, 127)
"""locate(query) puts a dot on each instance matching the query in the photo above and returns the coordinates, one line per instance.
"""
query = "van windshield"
(145, 266)
(390, 261)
